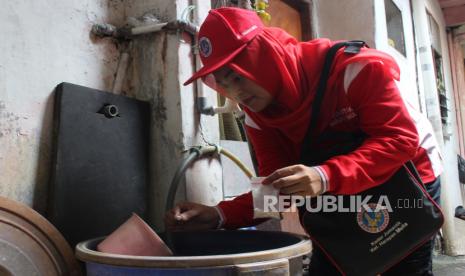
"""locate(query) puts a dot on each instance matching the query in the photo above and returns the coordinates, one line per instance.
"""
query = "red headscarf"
(290, 71)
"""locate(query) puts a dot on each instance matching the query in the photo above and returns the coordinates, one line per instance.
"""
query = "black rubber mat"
(100, 167)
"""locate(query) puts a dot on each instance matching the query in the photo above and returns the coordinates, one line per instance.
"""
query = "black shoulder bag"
(366, 241)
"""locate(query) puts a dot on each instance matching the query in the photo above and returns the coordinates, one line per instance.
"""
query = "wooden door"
(294, 16)
(285, 17)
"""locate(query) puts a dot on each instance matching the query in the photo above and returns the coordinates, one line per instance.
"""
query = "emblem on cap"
(205, 46)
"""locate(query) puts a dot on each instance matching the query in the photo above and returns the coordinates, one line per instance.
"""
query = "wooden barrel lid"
(30, 245)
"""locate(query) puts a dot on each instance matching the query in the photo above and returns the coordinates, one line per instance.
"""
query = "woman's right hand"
(189, 216)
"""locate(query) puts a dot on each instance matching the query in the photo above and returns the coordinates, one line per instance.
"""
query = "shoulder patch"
(351, 72)
(251, 123)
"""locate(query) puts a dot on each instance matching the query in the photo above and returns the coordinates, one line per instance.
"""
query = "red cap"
(223, 35)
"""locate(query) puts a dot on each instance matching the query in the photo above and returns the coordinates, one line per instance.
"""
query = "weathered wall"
(42, 44)
(335, 19)
(458, 74)
(451, 189)
(457, 46)
(365, 20)
(407, 64)
(161, 63)
(48, 42)
(451, 196)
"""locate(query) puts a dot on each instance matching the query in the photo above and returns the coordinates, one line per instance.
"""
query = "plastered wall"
(344, 20)
(44, 43)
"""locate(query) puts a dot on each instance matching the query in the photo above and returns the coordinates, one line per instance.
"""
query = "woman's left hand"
(296, 180)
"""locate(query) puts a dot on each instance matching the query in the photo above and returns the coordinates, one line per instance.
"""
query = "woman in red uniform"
(274, 77)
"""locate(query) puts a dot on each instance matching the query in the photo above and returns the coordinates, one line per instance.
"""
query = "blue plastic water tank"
(207, 253)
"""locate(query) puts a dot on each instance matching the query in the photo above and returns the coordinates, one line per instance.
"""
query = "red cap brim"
(214, 65)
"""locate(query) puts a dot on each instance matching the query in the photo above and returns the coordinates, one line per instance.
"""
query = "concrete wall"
(407, 64)
(458, 74)
(365, 20)
(451, 189)
(160, 63)
(451, 196)
(44, 43)
(335, 19)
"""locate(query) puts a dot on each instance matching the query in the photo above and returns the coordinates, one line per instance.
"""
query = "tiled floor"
(449, 266)
(460, 235)
(452, 266)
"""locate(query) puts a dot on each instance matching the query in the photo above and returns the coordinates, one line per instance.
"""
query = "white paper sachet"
(259, 191)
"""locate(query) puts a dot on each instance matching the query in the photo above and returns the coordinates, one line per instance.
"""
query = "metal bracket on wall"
(128, 32)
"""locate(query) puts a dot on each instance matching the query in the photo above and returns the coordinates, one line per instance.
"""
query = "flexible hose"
(194, 154)
(238, 162)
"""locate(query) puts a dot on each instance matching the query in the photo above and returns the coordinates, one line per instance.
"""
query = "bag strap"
(352, 47)
(413, 170)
